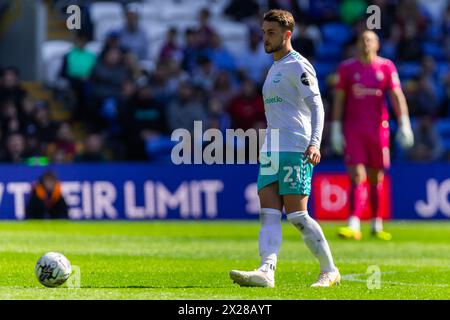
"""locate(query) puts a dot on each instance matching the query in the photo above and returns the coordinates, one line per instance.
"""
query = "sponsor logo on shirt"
(275, 99)
(361, 91)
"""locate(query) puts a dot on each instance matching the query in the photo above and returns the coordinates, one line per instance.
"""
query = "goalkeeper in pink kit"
(360, 128)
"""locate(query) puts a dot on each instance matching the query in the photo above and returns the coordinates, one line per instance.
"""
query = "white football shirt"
(289, 81)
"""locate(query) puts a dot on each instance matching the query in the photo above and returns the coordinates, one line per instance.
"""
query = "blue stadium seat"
(442, 68)
(328, 52)
(323, 69)
(408, 70)
(443, 128)
(434, 49)
(336, 33)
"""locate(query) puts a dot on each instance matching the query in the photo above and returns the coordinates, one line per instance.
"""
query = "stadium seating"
(328, 52)
(408, 70)
(443, 128)
(434, 50)
(106, 11)
(336, 33)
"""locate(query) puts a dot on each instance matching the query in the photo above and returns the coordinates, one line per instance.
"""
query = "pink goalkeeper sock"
(375, 196)
(357, 199)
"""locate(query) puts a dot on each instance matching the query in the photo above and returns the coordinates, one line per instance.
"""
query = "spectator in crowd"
(15, 151)
(220, 56)
(9, 120)
(46, 127)
(446, 108)
(352, 10)
(26, 116)
(205, 30)
(303, 42)
(191, 50)
(426, 97)
(218, 117)
(112, 41)
(77, 68)
(223, 88)
(145, 123)
(64, 148)
(247, 109)
(427, 142)
(290, 5)
(185, 108)
(205, 73)
(320, 12)
(46, 200)
(253, 61)
(10, 88)
(93, 149)
(413, 24)
(242, 11)
(174, 75)
(132, 37)
(108, 78)
(388, 17)
(170, 50)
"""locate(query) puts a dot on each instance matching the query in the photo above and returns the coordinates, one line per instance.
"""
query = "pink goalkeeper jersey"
(365, 87)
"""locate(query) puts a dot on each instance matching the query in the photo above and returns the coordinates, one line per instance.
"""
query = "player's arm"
(337, 137)
(404, 136)
(314, 103)
(309, 91)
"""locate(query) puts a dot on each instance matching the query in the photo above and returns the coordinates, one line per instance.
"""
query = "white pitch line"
(352, 277)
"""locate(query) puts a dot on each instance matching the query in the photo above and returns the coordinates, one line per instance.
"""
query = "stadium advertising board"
(142, 191)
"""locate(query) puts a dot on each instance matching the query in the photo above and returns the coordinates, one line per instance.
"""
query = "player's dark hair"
(283, 17)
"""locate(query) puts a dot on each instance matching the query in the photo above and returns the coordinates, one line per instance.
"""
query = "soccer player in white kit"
(295, 117)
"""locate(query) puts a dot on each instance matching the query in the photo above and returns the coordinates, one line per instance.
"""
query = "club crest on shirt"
(306, 79)
(277, 77)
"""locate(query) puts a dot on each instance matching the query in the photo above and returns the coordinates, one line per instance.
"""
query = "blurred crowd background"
(136, 71)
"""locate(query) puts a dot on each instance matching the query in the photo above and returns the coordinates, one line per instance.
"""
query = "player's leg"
(295, 187)
(269, 238)
(312, 234)
(356, 157)
(357, 198)
(378, 162)
(376, 177)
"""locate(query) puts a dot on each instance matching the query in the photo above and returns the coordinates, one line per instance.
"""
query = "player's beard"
(274, 49)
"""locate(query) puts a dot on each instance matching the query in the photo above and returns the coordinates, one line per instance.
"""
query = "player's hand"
(405, 136)
(312, 153)
(337, 137)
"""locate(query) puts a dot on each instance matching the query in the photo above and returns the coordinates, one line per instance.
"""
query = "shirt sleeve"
(393, 80)
(314, 103)
(307, 81)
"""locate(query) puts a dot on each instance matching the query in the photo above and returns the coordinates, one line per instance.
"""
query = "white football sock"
(377, 224)
(314, 239)
(354, 223)
(269, 239)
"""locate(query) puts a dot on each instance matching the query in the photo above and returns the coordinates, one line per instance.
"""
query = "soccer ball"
(52, 269)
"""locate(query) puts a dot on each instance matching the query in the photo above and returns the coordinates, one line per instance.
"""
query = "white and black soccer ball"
(52, 269)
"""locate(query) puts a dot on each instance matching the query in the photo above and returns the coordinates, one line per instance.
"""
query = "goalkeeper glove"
(337, 137)
(405, 136)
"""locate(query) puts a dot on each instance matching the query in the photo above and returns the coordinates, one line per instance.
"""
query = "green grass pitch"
(191, 260)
